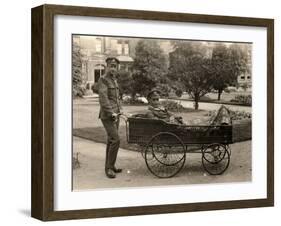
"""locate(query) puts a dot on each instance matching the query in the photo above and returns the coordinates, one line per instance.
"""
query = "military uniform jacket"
(159, 112)
(163, 114)
(108, 97)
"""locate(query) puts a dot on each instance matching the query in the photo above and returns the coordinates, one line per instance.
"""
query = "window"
(119, 47)
(248, 77)
(242, 77)
(123, 67)
(126, 48)
(98, 45)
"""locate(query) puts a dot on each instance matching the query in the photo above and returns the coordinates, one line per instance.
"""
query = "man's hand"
(114, 116)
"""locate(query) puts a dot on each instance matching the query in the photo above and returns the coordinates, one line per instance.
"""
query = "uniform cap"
(111, 60)
(153, 94)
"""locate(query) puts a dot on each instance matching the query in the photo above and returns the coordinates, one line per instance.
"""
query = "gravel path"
(90, 174)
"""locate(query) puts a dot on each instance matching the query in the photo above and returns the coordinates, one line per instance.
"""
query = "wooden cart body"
(141, 130)
(165, 145)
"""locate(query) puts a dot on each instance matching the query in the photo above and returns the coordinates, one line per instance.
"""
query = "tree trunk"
(133, 96)
(196, 104)
(219, 94)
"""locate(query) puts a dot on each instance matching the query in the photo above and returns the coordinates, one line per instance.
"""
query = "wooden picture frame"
(42, 205)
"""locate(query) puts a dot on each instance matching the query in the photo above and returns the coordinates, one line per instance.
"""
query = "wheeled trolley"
(165, 145)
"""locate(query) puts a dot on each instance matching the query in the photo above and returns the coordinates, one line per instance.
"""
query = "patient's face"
(154, 102)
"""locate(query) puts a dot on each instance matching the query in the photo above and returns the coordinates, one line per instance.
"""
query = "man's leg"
(113, 142)
(106, 153)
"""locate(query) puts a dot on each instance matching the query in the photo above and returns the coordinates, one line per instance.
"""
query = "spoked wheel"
(228, 148)
(215, 158)
(165, 155)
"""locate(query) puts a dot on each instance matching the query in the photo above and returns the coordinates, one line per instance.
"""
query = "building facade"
(95, 50)
(245, 79)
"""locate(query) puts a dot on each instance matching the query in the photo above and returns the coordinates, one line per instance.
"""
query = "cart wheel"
(165, 155)
(215, 158)
(228, 148)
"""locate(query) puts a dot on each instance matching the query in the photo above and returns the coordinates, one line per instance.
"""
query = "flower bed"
(174, 106)
(243, 99)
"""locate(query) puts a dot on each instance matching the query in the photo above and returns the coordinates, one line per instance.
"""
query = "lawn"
(225, 98)
(87, 125)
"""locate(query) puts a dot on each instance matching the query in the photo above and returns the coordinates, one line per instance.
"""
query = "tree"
(178, 88)
(78, 88)
(227, 64)
(149, 67)
(245, 86)
(190, 66)
(125, 83)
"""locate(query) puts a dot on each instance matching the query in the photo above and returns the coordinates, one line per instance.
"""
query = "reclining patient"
(157, 111)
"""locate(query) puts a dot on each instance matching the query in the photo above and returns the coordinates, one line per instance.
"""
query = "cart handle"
(125, 118)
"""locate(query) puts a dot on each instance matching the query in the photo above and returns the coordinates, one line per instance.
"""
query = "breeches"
(113, 142)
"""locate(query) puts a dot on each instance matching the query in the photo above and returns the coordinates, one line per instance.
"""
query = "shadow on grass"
(98, 134)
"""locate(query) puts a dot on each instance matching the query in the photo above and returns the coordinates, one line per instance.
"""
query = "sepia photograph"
(149, 112)
(160, 112)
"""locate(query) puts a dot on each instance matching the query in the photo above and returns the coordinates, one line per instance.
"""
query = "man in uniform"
(109, 109)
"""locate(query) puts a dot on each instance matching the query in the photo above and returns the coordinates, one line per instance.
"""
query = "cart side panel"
(203, 134)
(142, 130)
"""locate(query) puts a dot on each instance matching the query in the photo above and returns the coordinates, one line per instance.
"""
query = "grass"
(225, 98)
(86, 112)
(98, 134)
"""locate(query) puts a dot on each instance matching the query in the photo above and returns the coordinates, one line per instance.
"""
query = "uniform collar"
(110, 77)
(160, 108)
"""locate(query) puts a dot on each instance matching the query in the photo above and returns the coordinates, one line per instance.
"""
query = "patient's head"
(153, 98)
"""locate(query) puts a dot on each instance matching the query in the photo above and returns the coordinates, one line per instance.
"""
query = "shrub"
(95, 88)
(125, 83)
(206, 98)
(78, 91)
(234, 115)
(136, 101)
(179, 92)
(231, 89)
(75, 161)
(240, 115)
(226, 90)
(165, 89)
(172, 106)
(243, 99)
(178, 88)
